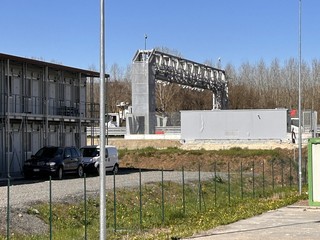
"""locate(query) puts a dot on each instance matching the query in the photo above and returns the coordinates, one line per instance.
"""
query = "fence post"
(199, 184)
(272, 173)
(162, 197)
(297, 173)
(282, 172)
(263, 179)
(50, 206)
(8, 209)
(241, 180)
(85, 206)
(140, 198)
(183, 193)
(215, 184)
(229, 186)
(114, 202)
(290, 178)
(253, 184)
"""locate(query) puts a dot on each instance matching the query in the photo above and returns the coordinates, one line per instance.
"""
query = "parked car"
(91, 158)
(54, 161)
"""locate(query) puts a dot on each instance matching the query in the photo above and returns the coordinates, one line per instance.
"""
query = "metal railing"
(35, 105)
(121, 131)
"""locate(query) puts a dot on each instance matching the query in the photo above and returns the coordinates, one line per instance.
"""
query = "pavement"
(291, 222)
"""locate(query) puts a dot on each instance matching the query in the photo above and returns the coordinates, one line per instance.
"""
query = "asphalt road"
(288, 223)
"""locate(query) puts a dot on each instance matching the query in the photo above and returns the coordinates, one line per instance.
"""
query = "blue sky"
(237, 31)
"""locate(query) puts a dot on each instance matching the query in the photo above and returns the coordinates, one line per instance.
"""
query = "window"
(8, 88)
(28, 87)
(67, 153)
(28, 142)
(74, 153)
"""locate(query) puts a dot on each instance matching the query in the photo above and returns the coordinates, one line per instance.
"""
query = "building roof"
(87, 73)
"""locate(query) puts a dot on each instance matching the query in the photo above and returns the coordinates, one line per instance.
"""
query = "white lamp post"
(300, 133)
(102, 128)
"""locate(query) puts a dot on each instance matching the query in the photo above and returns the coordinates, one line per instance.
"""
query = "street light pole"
(300, 133)
(102, 128)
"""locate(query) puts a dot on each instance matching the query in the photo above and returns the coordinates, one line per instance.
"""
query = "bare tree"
(118, 88)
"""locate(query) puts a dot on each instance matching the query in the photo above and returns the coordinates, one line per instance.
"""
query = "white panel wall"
(315, 172)
(234, 124)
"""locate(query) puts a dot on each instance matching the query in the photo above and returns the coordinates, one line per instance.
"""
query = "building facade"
(41, 104)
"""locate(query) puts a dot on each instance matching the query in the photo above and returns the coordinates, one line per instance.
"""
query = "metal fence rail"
(114, 131)
(121, 131)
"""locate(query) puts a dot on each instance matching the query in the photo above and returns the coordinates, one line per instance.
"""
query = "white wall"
(234, 124)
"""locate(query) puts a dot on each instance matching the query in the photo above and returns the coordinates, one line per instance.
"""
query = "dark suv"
(54, 161)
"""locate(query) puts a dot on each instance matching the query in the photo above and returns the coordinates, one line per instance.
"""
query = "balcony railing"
(37, 106)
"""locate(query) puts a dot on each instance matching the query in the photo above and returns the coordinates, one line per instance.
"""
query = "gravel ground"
(23, 194)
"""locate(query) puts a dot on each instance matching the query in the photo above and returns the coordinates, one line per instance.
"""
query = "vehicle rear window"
(47, 152)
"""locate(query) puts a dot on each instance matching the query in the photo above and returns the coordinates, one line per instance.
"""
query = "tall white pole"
(300, 122)
(102, 128)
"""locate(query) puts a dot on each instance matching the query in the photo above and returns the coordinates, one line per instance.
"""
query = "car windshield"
(89, 152)
(49, 152)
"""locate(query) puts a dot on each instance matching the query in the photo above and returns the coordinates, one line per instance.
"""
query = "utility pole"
(102, 170)
(300, 133)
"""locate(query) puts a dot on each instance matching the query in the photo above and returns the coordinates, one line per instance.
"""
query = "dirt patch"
(21, 222)
(194, 145)
(208, 161)
(121, 143)
(192, 159)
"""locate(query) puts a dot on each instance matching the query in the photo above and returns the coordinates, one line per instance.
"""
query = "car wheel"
(60, 173)
(115, 169)
(80, 171)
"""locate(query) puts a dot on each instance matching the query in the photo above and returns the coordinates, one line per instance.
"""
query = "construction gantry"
(151, 66)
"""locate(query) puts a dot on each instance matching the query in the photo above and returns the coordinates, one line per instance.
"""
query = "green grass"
(163, 213)
(234, 152)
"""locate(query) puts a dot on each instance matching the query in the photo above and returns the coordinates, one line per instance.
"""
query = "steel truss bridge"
(197, 76)
(152, 66)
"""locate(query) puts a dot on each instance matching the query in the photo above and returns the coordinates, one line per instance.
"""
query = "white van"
(91, 158)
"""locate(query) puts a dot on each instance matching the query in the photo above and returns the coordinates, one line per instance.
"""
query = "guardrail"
(114, 131)
(169, 130)
(121, 131)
